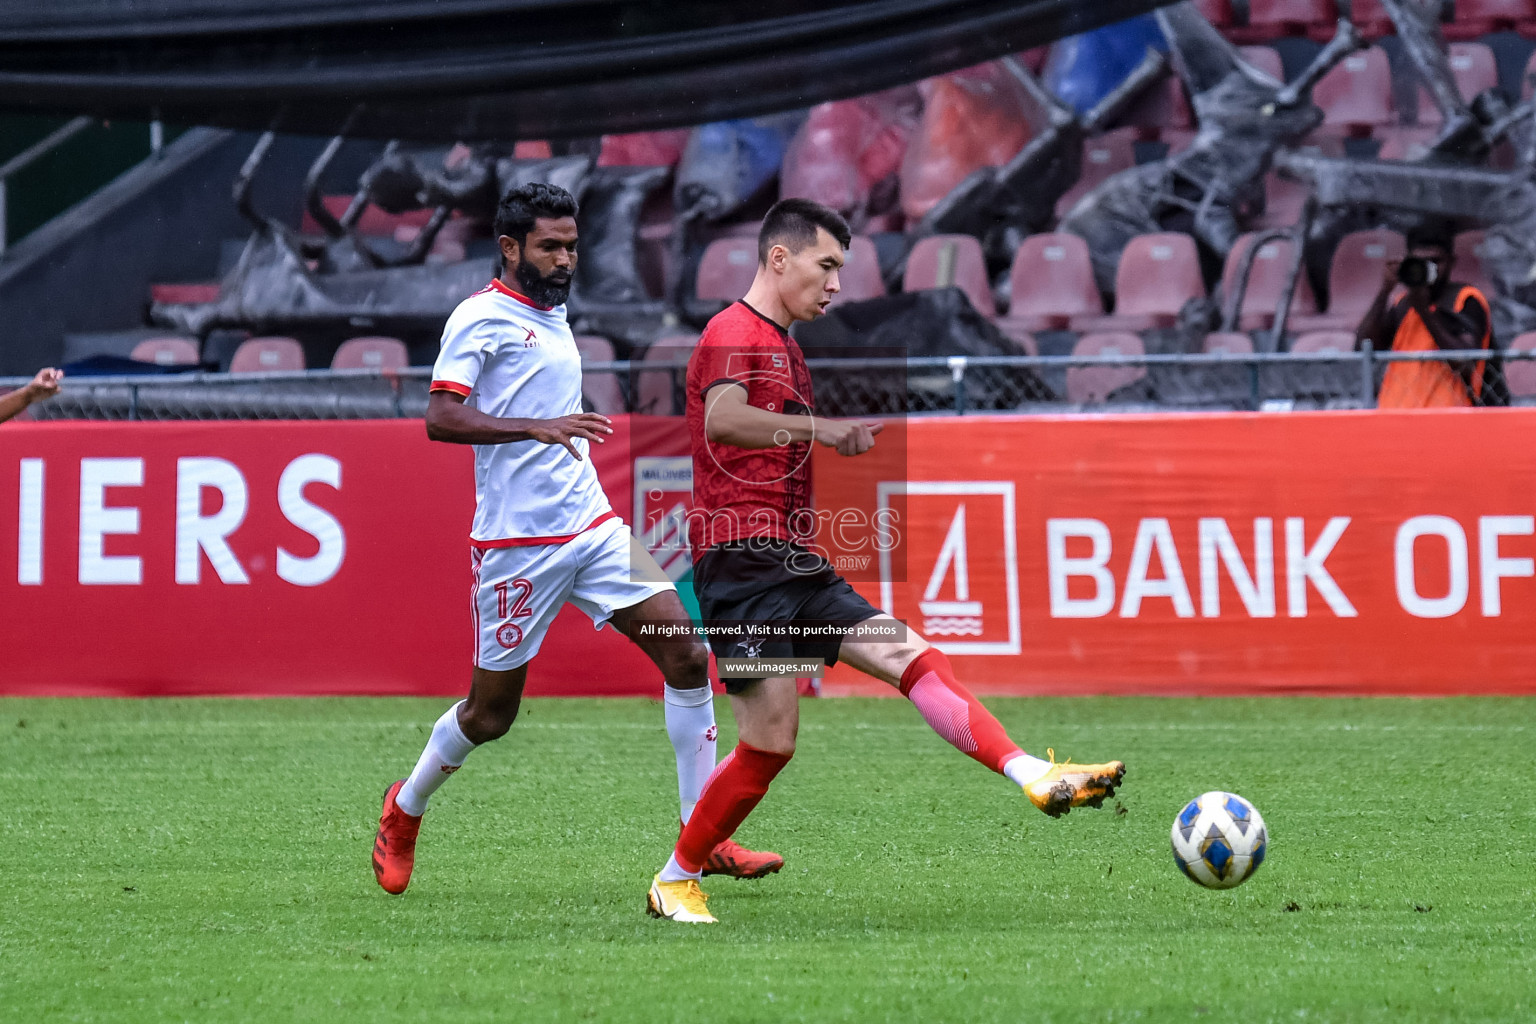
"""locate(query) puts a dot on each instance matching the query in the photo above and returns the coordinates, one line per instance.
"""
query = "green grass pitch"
(207, 860)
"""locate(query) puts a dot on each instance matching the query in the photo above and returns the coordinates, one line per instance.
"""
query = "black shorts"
(751, 591)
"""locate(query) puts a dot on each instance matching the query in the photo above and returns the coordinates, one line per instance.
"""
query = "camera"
(1416, 271)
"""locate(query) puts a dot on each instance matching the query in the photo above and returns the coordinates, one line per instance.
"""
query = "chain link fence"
(843, 387)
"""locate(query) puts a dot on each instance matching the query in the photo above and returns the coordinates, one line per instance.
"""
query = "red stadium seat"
(860, 277)
(1051, 282)
(1264, 58)
(1354, 279)
(943, 261)
(1217, 12)
(1162, 108)
(1324, 341)
(654, 392)
(189, 294)
(1266, 283)
(166, 352)
(1474, 68)
(1356, 96)
(1157, 274)
(1371, 18)
(1405, 143)
(1291, 17)
(1103, 156)
(267, 355)
(1096, 383)
(371, 353)
(1520, 374)
(374, 221)
(726, 269)
(601, 390)
(1227, 342)
(1476, 18)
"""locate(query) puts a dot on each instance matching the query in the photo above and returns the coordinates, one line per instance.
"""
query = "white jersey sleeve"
(467, 341)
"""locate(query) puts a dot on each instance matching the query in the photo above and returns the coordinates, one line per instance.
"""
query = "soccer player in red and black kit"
(750, 418)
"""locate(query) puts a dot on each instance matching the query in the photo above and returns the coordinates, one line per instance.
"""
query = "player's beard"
(551, 290)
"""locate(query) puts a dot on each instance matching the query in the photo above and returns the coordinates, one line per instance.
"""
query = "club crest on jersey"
(752, 648)
(509, 635)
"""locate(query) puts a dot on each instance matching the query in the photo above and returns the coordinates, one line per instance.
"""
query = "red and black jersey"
(739, 492)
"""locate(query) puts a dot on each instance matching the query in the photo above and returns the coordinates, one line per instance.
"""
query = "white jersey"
(519, 360)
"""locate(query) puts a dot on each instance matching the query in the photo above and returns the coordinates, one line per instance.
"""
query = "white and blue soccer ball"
(1219, 840)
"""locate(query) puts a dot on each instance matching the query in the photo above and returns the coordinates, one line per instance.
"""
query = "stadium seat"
(860, 277)
(166, 352)
(1476, 18)
(1354, 279)
(1218, 12)
(266, 355)
(1356, 96)
(944, 261)
(654, 391)
(1265, 59)
(1405, 143)
(189, 294)
(1103, 156)
(601, 390)
(1371, 18)
(1284, 200)
(726, 269)
(1051, 282)
(1266, 282)
(371, 353)
(1469, 262)
(374, 221)
(1233, 343)
(1520, 374)
(1324, 341)
(1097, 383)
(1290, 17)
(1163, 108)
(1474, 68)
(1156, 275)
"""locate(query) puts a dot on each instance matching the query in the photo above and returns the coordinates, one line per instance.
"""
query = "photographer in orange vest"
(1420, 309)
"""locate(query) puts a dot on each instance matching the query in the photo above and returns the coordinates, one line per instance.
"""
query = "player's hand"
(848, 437)
(45, 385)
(590, 425)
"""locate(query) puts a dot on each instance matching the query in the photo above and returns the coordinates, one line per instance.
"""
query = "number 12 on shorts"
(518, 609)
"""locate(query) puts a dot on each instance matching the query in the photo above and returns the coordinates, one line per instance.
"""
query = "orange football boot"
(394, 848)
(733, 859)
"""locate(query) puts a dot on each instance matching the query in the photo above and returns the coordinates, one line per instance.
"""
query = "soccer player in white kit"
(544, 533)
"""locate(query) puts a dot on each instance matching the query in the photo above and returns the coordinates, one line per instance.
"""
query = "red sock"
(951, 711)
(733, 789)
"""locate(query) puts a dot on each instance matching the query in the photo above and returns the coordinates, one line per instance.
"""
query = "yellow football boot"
(679, 901)
(1070, 785)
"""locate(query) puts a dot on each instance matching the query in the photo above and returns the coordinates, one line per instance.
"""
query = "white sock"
(691, 728)
(674, 872)
(446, 749)
(1025, 769)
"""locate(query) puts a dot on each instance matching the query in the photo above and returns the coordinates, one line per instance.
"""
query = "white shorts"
(519, 590)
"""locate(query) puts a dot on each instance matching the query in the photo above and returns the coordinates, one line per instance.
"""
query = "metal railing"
(952, 385)
(46, 145)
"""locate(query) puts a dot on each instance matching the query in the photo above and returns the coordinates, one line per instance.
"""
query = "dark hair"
(792, 223)
(523, 205)
(1432, 235)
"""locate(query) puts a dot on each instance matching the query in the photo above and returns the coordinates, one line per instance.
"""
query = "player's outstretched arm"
(450, 420)
(728, 419)
(45, 385)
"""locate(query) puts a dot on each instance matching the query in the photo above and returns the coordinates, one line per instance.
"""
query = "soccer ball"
(1219, 839)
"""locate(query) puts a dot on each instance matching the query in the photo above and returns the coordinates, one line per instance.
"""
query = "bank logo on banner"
(960, 549)
(663, 490)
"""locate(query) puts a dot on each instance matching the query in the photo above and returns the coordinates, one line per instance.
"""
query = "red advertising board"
(1379, 552)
